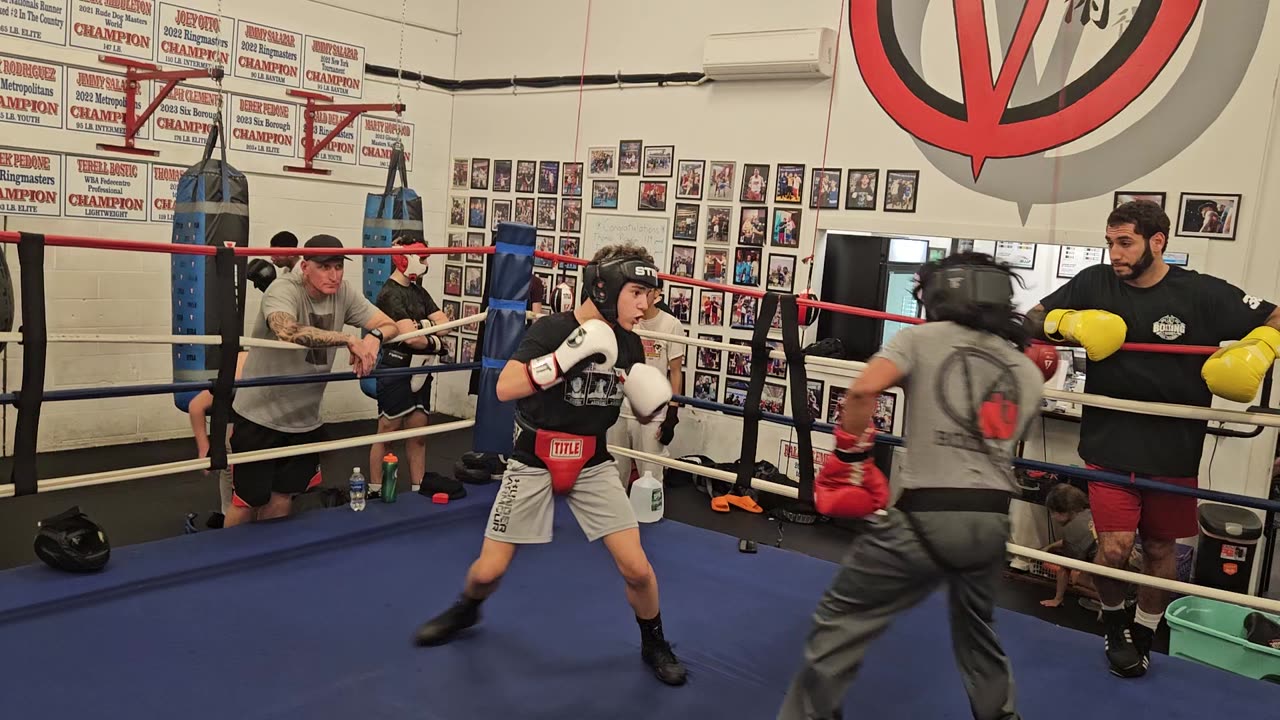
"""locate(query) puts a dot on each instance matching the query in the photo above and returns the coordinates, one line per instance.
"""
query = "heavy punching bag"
(395, 212)
(211, 208)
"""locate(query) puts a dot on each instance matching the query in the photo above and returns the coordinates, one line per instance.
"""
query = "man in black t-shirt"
(569, 377)
(1141, 299)
(404, 402)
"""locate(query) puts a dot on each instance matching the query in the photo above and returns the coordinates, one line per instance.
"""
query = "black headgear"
(72, 542)
(963, 286)
(602, 282)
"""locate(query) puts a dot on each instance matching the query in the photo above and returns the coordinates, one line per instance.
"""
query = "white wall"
(118, 292)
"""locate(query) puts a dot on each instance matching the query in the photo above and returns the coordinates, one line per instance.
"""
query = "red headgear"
(413, 266)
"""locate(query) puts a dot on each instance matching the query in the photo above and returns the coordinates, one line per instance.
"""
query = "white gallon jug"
(646, 498)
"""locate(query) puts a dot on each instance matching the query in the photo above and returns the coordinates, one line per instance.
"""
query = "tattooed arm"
(287, 328)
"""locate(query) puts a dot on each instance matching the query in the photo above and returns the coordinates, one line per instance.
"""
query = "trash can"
(1228, 540)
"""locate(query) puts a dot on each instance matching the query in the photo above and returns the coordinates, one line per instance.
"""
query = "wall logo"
(1017, 116)
(1169, 327)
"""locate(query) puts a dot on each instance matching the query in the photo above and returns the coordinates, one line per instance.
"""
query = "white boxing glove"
(647, 390)
(592, 341)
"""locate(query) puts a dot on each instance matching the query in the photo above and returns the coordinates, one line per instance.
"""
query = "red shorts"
(1153, 514)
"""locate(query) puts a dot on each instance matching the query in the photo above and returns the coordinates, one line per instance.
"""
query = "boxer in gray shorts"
(569, 377)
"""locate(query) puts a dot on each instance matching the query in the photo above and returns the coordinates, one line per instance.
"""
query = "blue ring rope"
(1068, 470)
(197, 385)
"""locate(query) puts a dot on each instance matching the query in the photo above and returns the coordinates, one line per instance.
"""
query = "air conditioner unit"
(770, 55)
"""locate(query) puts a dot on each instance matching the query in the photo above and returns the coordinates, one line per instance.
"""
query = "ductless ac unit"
(770, 55)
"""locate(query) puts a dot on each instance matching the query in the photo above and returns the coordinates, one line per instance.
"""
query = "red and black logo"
(982, 125)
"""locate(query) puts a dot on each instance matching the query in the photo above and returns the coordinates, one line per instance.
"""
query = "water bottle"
(646, 498)
(358, 489)
(389, 467)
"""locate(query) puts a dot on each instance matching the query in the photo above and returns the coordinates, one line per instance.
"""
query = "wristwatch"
(378, 334)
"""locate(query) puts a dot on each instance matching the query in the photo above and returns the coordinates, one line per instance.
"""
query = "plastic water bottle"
(646, 498)
(390, 467)
(358, 489)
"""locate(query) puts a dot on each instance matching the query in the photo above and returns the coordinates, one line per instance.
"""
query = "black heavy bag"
(71, 542)
(211, 208)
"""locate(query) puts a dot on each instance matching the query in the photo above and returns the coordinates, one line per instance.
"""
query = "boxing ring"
(312, 617)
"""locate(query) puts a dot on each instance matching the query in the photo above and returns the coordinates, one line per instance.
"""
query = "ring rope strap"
(1113, 573)
(799, 393)
(1186, 412)
(173, 468)
(223, 386)
(31, 253)
(752, 409)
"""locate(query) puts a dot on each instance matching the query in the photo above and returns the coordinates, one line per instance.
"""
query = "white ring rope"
(1258, 603)
(146, 471)
(217, 339)
(1189, 412)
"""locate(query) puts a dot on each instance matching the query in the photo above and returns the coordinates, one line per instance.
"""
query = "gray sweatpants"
(888, 570)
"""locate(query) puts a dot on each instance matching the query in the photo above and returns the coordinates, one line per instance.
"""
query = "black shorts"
(396, 397)
(254, 482)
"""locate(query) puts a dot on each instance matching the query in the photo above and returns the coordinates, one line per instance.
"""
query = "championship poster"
(268, 55)
(30, 183)
(334, 68)
(263, 126)
(789, 459)
(96, 102)
(40, 20)
(342, 149)
(102, 189)
(186, 116)
(378, 135)
(164, 188)
(30, 92)
(117, 27)
(193, 38)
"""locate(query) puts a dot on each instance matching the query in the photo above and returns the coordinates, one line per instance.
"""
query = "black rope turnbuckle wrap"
(35, 353)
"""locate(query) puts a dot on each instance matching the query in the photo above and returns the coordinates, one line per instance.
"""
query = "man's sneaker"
(662, 660)
(1143, 638)
(443, 627)
(1122, 655)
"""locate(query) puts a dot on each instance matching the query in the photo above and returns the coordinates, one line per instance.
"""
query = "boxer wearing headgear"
(1140, 298)
(405, 402)
(971, 393)
(569, 378)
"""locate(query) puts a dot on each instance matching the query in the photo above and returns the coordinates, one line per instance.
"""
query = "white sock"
(1148, 620)
(1109, 608)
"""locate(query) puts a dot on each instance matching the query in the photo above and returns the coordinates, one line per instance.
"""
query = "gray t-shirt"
(970, 396)
(295, 408)
(1079, 540)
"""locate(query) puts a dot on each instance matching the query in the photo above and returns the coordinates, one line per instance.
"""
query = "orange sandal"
(742, 502)
(720, 504)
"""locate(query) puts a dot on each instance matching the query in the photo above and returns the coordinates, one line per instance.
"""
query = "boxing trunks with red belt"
(563, 454)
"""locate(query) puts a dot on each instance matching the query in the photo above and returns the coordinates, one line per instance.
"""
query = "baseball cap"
(324, 241)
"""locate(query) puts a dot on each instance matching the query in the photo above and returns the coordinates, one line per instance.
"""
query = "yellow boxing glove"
(1099, 332)
(1236, 371)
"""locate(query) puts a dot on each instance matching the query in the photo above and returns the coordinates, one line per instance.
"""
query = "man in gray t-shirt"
(971, 392)
(308, 307)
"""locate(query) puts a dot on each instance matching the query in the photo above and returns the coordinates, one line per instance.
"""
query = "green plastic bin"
(1212, 633)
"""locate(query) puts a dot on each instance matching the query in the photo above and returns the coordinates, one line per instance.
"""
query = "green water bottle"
(389, 467)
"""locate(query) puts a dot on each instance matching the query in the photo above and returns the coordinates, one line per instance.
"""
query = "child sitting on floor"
(1069, 507)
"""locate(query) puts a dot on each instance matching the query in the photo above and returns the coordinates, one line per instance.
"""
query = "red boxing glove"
(1046, 359)
(849, 484)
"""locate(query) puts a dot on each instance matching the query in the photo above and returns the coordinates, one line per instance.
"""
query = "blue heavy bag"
(395, 212)
(211, 207)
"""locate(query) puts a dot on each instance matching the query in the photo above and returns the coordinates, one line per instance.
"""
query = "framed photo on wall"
(659, 160)
(1017, 254)
(450, 309)
(709, 358)
(602, 162)
(683, 260)
(864, 186)
(653, 196)
(720, 180)
(786, 227)
(1123, 196)
(711, 312)
(746, 269)
(549, 177)
(476, 212)
(680, 300)
(790, 188)
(1074, 258)
(901, 189)
(719, 217)
(572, 180)
(689, 179)
(714, 263)
(824, 191)
(782, 271)
(526, 176)
(1208, 216)
(629, 152)
(685, 226)
(524, 211)
(480, 174)
(755, 183)
(753, 226)
(546, 214)
(460, 179)
(706, 387)
(502, 176)
(743, 315)
(604, 194)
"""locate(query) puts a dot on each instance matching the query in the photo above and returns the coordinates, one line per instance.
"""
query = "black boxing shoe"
(1123, 657)
(442, 628)
(660, 658)
(1143, 638)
